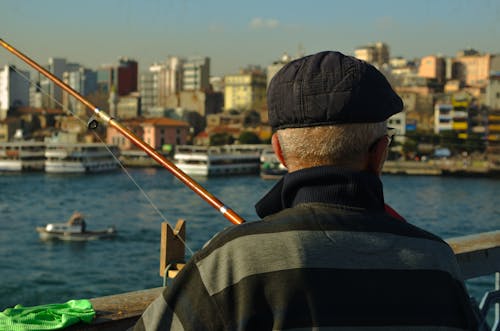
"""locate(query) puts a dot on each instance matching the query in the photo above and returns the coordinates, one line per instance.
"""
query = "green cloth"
(46, 317)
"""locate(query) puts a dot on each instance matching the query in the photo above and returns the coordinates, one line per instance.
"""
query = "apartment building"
(157, 132)
(433, 67)
(377, 54)
(196, 74)
(472, 68)
(462, 115)
(245, 91)
(160, 82)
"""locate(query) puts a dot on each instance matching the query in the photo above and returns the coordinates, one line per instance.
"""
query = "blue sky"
(237, 33)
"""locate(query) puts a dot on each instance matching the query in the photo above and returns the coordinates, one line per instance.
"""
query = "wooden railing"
(477, 255)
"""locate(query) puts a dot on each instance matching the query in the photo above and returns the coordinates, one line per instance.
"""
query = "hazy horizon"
(236, 34)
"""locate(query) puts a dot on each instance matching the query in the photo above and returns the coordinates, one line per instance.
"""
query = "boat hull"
(22, 156)
(218, 160)
(75, 236)
(80, 158)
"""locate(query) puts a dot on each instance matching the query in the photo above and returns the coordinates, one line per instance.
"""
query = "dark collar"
(323, 184)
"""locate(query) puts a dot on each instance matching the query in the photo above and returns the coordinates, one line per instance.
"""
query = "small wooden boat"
(73, 230)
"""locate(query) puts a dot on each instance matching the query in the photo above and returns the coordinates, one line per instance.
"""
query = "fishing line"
(228, 213)
(129, 175)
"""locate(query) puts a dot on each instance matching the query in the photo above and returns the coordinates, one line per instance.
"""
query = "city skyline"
(235, 35)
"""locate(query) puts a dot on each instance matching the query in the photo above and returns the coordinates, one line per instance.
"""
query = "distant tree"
(248, 137)
(222, 138)
(410, 146)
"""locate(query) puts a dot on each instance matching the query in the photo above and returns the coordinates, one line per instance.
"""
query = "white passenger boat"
(80, 158)
(218, 160)
(22, 156)
(73, 230)
(270, 166)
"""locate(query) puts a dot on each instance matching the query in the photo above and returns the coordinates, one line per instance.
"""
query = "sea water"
(34, 272)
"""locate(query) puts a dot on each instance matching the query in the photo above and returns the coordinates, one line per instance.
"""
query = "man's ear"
(377, 156)
(277, 148)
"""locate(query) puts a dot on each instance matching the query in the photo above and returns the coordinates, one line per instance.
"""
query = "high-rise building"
(14, 89)
(174, 76)
(105, 79)
(161, 81)
(126, 76)
(148, 88)
(51, 93)
(82, 80)
(196, 74)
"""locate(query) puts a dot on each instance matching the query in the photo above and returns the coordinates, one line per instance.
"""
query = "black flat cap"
(329, 88)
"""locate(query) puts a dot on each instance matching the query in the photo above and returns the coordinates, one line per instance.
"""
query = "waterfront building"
(492, 95)
(245, 91)
(418, 110)
(492, 100)
(8, 128)
(234, 122)
(196, 74)
(160, 133)
(398, 121)
(14, 89)
(493, 147)
(459, 123)
(38, 123)
(443, 117)
(463, 115)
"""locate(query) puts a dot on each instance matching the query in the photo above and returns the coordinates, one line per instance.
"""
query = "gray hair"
(341, 145)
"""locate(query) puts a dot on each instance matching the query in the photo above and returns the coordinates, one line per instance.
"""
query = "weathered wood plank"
(477, 254)
(118, 312)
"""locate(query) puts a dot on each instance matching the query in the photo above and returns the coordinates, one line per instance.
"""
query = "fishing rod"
(108, 120)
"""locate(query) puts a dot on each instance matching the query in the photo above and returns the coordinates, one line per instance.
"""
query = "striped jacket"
(318, 265)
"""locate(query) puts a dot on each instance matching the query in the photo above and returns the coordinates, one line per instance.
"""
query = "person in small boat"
(328, 252)
(78, 219)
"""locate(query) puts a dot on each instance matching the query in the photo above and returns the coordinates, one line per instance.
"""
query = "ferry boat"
(22, 156)
(270, 166)
(218, 160)
(80, 158)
